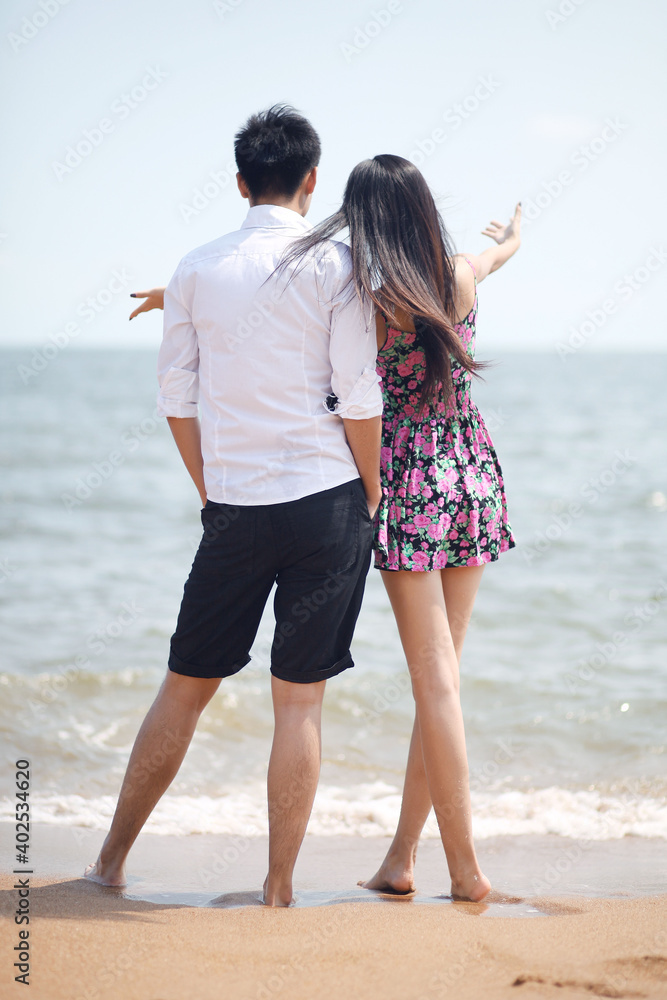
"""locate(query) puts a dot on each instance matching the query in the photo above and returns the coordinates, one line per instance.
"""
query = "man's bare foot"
(396, 878)
(106, 874)
(280, 895)
(473, 888)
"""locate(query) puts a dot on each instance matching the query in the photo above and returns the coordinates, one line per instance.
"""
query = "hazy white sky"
(557, 102)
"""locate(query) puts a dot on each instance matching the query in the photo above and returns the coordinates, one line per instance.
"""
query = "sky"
(118, 149)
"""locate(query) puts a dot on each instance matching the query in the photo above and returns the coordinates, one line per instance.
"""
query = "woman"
(443, 512)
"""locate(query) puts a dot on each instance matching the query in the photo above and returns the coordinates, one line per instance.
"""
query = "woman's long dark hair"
(401, 258)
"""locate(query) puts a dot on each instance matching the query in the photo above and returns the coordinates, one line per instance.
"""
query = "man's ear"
(242, 186)
(311, 181)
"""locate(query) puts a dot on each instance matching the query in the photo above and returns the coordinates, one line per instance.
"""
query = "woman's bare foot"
(474, 887)
(394, 876)
(106, 874)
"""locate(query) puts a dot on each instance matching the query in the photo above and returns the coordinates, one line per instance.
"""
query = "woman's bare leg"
(459, 589)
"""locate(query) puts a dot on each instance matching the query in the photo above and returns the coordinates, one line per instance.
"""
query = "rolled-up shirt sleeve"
(355, 385)
(178, 359)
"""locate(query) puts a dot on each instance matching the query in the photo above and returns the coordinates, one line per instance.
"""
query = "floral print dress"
(443, 498)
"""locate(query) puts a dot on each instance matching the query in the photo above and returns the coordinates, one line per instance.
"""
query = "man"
(280, 362)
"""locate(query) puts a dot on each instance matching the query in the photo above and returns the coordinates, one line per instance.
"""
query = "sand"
(210, 939)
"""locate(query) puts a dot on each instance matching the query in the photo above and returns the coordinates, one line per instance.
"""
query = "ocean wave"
(371, 810)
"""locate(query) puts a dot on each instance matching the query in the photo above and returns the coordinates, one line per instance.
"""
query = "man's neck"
(298, 203)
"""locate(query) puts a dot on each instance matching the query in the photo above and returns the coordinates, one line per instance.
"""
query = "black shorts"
(316, 550)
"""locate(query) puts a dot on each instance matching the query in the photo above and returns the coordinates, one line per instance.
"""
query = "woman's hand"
(154, 300)
(508, 238)
(501, 233)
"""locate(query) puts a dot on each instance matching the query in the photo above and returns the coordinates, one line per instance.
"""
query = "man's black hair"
(275, 150)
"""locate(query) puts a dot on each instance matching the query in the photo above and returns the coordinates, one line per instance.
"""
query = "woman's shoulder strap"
(471, 265)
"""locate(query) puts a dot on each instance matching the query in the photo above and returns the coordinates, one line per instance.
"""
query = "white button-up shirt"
(259, 353)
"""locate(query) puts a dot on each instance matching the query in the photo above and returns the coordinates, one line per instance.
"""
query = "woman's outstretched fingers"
(154, 300)
(500, 232)
(144, 307)
(495, 230)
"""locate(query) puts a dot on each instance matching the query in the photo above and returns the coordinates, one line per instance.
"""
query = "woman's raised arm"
(508, 238)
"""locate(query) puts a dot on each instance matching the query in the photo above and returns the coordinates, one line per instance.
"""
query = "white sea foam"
(371, 810)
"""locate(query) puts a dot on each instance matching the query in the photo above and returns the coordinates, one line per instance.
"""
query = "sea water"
(564, 672)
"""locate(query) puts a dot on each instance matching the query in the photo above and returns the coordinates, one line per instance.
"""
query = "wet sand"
(189, 923)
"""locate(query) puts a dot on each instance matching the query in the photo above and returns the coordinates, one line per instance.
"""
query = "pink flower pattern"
(443, 497)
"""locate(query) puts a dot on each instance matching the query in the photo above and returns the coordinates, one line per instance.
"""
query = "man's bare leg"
(396, 874)
(294, 770)
(157, 755)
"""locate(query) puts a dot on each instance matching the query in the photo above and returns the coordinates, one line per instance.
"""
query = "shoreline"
(190, 923)
(194, 869)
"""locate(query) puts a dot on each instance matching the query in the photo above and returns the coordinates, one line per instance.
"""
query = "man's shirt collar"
(275, 217)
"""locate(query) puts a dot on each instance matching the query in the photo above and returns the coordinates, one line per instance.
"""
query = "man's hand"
(154, 300)
(374, 502)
